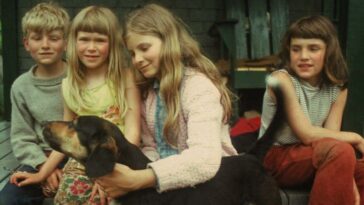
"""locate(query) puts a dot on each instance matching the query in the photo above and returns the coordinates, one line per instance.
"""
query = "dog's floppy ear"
(100, 162)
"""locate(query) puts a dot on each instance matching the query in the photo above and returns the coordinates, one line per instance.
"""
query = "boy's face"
(46, 48)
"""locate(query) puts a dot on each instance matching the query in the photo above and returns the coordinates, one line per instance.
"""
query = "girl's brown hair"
(320, 27)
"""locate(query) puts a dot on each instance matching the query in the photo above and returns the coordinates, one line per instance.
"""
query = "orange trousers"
(330, 165)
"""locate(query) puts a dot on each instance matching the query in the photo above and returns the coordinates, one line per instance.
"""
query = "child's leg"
(290, 165)
(12, 194)
(333, 161)
(75, 187)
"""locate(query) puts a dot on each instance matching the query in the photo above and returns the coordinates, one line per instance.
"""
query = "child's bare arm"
(132, 118)
(51, 164)
(25, 178)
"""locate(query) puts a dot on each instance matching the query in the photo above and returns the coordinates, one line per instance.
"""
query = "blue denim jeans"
(27, 195)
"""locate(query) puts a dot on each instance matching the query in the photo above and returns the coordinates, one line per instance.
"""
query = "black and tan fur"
(99, 144)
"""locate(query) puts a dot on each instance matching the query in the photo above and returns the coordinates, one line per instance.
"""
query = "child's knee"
(331, 149)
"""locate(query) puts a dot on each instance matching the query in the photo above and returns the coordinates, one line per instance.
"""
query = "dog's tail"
(262, 145)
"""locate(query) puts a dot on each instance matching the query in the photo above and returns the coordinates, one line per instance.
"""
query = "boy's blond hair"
(45, 17)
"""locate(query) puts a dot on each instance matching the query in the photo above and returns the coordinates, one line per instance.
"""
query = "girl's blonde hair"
(100, 20)
(179, 50)
(320, 27)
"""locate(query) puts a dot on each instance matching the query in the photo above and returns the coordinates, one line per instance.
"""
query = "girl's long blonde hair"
(100, 20)
(179, 50)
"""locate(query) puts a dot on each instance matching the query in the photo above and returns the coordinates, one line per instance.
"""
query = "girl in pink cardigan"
(186, 106)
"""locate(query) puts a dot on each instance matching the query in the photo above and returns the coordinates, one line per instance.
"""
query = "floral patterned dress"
(75, 187)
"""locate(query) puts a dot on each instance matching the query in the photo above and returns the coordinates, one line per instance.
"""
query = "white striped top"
(315, 103)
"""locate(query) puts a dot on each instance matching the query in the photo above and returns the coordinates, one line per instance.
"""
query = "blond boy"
(36, 97)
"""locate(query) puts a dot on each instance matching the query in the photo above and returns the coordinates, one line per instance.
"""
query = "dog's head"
(88, 139)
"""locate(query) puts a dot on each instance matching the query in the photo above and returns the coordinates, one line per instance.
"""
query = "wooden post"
(354, 112)
(9, 13)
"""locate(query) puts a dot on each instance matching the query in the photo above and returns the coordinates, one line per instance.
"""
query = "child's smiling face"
(307, 57)
(46, 48)
(92, 49)
(145, 52)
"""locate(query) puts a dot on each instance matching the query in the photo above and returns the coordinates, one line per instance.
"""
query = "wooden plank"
(5, 154)
(354, 112)
(5, 148)
(328, 8)
(9, 14)
(259, 29)
(4, 125)
(8, 163)
(249, 79)
(4, 135)
(235, 9)
(279, 21)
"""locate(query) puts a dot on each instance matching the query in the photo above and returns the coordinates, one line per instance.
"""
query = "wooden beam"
(354, 113)
(279, 22)
(9, 13)
(259, 29)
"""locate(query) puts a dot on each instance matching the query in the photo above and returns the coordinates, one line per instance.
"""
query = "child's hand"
(22, 178)
(50, 185)
(122, 180)
(360, 145)
(97, 190)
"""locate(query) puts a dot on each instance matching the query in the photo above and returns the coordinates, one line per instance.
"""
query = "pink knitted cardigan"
(203, 137)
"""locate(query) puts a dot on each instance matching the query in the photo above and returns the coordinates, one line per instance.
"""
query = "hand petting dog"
(114, 164)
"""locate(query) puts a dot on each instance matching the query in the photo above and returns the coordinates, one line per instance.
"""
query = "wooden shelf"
(245, 79)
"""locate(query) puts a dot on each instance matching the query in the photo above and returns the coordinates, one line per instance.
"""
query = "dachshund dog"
(98, 144)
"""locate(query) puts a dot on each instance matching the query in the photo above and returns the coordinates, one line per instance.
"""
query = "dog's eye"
(71, 125)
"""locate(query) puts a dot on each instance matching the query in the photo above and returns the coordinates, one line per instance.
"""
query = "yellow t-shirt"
(101, 99)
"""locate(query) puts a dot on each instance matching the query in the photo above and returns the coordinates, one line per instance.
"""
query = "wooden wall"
(199, 15)
(354, 113)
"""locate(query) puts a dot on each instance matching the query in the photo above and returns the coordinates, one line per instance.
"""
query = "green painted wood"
(249, 79)
(10, 49)
(235, 9)
(5, 148)
(279, 22)
(4, 134)
(354, 112)
(328, 8)
(342, 20)
(8, 163)
(226, 32)
(259, 29)
(4, 125)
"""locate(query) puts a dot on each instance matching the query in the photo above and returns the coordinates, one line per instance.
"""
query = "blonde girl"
(185, 110)
(98, 83)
